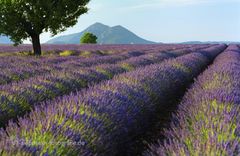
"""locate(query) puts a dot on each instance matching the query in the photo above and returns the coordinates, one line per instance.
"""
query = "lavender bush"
(207, 122)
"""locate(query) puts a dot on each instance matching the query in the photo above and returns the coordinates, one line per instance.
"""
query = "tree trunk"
(36, 45)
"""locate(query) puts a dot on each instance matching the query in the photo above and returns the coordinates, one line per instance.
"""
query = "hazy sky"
(166, 20)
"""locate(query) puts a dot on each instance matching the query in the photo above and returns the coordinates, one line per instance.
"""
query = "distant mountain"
(211, 42)
(5, 40)
(105, 34)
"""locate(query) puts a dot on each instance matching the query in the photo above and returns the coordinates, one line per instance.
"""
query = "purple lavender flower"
(107, 116)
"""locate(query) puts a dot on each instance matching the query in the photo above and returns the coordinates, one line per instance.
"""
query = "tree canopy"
(88, 38)
(23, 19)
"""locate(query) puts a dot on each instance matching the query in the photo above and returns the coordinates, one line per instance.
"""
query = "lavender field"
(120, 100)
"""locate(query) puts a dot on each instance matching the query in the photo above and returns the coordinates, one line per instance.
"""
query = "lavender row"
(133, 57)
(18, 98)
(105, 117)
(24, 69)
(11, 62)
(207, 122)
(31, 68)
(21, 72)
(5, 61)
(31, 62)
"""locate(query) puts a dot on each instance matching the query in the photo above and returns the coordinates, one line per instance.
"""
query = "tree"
(23, 19)
(88, 38)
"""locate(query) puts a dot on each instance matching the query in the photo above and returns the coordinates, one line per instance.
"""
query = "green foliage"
(22, 19)
(67, 53)
(88, 38)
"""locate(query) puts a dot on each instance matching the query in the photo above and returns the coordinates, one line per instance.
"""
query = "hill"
(105, 34)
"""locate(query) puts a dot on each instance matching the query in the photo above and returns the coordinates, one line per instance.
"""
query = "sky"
(166, 20)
